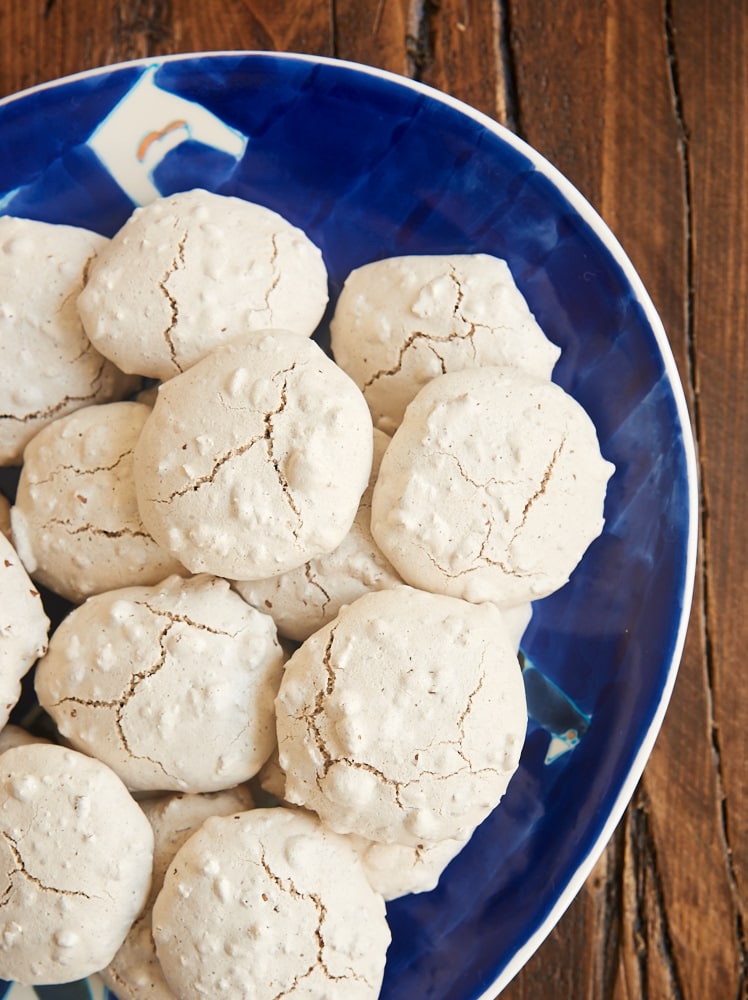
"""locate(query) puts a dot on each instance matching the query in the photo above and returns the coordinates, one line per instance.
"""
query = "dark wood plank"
(458, 49)
(374, 32)
(711, 41)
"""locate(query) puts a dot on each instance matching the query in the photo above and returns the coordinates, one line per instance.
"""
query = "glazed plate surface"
(371, 165)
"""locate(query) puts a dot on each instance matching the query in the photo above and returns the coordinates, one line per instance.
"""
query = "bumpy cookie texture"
(192, 270)
(304, 599)
(75, 864)
(403, 720)
(75, 520)
(172, 686)
(48, 366)
(402, 321)
(24, 627)
(254, 461)
(135, 971)
(492, 487)
(270, 904)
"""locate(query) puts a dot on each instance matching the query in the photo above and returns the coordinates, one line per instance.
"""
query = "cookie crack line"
(84, 471)
(321, 909)
(491, 481)
(180, 619)
(312, 719)
(94, 529)
(22, 870)
(487, 561)
(276, 272)
(314, 582)
(135, 680)
(540, 491)
(209, 477)
(411, 341)
(52, 411)
(119, 705)
(176, 264)
(270, 445)
(470, 698)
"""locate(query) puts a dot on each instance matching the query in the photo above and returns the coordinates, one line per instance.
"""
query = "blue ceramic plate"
(371, 165)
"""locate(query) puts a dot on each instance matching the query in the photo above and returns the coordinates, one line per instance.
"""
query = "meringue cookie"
(266, 904)
(491, 489)
(76, 854)
(193, 270)
(402, 720)
(75, 519)
(172, 686)
(24, 627)
(48, 366)
(254, 461)
(401, 321)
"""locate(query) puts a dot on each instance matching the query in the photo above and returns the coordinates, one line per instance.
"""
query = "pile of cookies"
(287, 687)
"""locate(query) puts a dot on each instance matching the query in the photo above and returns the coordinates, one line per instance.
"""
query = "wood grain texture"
(644, 107)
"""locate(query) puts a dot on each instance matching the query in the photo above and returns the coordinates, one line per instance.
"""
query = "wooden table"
(644, 106)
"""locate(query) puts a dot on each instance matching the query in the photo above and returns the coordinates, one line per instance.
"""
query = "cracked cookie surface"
(401, 321)
(48, 366)
(172, 686)
(266, 905)
(75, 864)
(492, 488)
(403, 719)
(254, 461)
(75, 519)
(193, 270)
(304, 599)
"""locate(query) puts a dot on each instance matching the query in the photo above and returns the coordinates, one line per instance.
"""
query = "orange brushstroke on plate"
(155, 136)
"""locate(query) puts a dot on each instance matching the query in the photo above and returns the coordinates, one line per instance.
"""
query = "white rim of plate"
(590, 215)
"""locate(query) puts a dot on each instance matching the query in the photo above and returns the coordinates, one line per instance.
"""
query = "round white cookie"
(304, 599)
(492, 487)
(172, 686)
(75, 520)
(24, 627)
(403, 720)
(268, 904)
(48, 366)
(401, 321)
(75, 864)
(192, 270)
(135, 971)
(254, 460)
